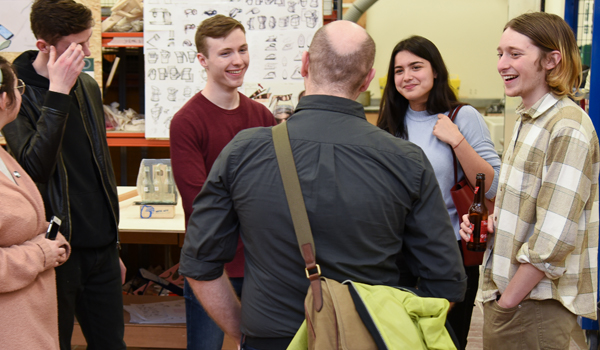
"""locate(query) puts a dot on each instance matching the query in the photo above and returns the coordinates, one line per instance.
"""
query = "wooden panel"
(96, 39)
(165, 336)
(372, 117)
(133, 139)
(169, 238)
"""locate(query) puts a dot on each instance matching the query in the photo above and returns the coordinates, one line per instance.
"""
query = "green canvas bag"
(353, 315)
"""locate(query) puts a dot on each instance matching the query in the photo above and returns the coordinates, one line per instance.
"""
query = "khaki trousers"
(531, 325)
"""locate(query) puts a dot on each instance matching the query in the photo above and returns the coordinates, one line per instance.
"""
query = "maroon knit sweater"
(199, 131)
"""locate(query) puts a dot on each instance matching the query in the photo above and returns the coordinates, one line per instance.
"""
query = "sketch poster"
(277, 32)
(15, 30)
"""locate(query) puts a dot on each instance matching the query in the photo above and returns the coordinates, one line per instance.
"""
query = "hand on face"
(64, 70)
(446, 131)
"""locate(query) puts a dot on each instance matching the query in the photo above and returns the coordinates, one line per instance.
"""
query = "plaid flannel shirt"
(547, 207)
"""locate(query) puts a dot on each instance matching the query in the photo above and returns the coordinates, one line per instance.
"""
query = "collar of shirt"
(539, 108)
(331, 103)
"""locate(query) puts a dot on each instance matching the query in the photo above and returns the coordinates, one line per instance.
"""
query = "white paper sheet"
(277, 32)
(15, 18)
(163, 312)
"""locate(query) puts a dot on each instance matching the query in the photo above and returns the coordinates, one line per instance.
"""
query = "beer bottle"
(478, 216)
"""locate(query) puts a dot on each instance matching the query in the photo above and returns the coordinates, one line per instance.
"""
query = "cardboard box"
(157, 211)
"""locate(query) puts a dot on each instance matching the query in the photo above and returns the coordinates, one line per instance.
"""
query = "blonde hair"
(550, 33)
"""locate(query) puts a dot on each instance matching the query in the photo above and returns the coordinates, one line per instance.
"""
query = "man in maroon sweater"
(200, 130)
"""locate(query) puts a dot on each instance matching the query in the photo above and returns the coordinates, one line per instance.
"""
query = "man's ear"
(552, 60)
(202, 59)
(305, 63)
(367, 81)
(43, 46)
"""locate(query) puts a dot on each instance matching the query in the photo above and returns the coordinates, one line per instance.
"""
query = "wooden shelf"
(133, 139)
(114, 39)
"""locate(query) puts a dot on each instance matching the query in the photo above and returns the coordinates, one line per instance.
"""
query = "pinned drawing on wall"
(277, 32)
(15, 28)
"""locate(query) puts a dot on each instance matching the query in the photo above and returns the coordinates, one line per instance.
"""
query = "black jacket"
(35, 139)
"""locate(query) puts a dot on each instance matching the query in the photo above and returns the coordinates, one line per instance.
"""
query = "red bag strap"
(452, 115)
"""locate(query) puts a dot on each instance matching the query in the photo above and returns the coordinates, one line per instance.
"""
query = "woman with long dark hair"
(416, 102)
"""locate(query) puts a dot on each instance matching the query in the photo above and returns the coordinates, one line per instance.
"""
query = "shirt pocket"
(523, 177)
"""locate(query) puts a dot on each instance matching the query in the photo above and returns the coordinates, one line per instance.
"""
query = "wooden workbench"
(133, 229)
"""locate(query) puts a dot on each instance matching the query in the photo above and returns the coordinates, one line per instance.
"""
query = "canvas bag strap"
(293, 194)
(452, 115)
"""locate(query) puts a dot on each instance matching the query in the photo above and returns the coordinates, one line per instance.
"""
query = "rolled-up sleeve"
(566, 187)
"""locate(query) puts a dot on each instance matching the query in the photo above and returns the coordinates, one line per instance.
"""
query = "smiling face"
(227, 60)
(414, 78)
(520, 67)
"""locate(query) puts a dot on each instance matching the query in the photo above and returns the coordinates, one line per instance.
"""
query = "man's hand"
(522, 283)
(64, 70)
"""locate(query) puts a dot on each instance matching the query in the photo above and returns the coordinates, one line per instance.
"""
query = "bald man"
(368, 195)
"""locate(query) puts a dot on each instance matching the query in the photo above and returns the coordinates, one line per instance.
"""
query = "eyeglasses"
(21, 87)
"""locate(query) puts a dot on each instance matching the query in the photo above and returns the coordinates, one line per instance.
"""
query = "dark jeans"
(202, 332)
(89, 288)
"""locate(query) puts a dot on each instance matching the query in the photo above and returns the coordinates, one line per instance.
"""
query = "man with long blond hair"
(540, 271)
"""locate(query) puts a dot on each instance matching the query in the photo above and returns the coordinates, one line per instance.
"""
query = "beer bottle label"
(476, 189)
(483, 232)
(146, 189)
(156, 188)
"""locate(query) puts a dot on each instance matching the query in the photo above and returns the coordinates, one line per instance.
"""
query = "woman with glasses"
(29, 317)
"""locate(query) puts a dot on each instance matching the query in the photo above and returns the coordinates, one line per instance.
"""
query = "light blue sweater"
(472, 126)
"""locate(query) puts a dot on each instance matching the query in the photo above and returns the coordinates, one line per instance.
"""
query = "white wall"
(556, 7)
(465, 31)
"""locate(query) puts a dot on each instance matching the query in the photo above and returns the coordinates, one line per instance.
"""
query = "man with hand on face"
(200, 130)
(59, 139)
(367, 194)
(540, 268)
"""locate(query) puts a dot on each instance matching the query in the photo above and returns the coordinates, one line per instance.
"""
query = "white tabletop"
(131, 221)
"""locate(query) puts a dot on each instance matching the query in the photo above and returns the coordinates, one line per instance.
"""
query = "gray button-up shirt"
(368, 195)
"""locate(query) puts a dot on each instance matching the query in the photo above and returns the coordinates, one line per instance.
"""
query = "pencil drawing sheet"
(277, 32)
